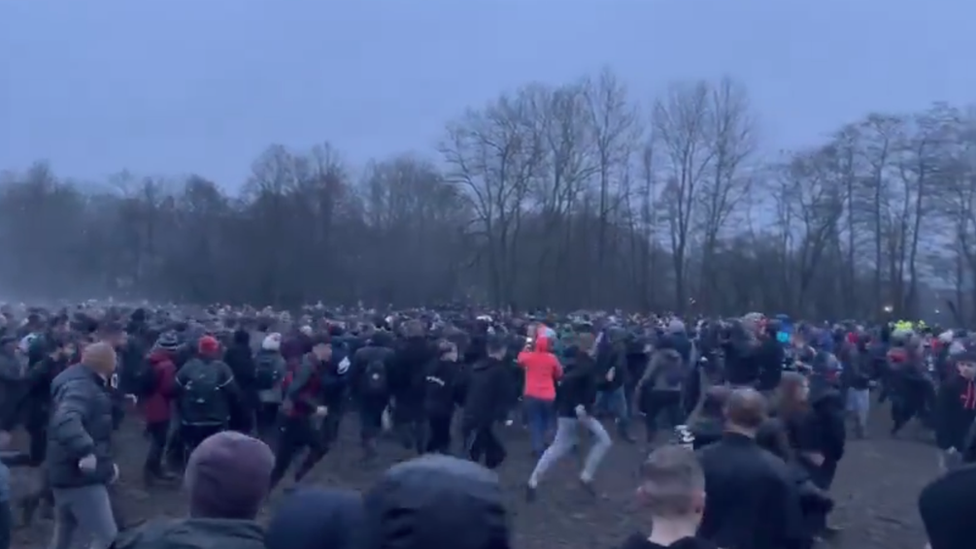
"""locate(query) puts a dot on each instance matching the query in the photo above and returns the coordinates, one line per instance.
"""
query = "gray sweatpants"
(87, 508)
(567, 437)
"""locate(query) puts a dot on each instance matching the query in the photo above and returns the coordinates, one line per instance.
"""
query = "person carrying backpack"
(206, 395)
(660, 388)
(371, 387)
(155, 380)
(269, 371)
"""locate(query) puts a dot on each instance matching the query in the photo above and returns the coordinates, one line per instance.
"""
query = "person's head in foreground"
(228, 476)
(436, 501)
(745, 412)
(316, 519)
(672, 489)
(945, 506)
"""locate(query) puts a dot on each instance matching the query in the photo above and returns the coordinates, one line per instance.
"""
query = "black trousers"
(370, 422)
(266, 418)
(657, 403)
(297, 434)
(38, 445)
(481, 443)
(6, 524)
(439, 434)
(192, 435)
(908, 400)
(408, 422)
(157, 433)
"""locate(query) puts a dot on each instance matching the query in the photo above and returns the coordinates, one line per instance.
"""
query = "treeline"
(569, 196)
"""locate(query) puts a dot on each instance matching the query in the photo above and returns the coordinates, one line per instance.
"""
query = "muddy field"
(876, 489)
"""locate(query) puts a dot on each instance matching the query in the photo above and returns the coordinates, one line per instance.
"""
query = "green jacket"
(193, 534)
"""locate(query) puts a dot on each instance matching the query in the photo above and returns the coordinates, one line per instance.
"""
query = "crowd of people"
(753, 411)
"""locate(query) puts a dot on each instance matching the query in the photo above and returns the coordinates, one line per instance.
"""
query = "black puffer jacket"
(436, 501)
(80, 425)
(487, 385)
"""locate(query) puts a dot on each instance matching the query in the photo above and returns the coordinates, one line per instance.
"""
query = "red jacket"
(542, 370)
(156, 407)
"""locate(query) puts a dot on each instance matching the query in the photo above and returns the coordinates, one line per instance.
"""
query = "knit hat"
(99, 357)
(228, 476)
(167, 341)
(208, 346)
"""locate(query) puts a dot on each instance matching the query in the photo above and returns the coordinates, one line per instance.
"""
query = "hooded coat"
(317, 519)
(436, 501)
(542, 370)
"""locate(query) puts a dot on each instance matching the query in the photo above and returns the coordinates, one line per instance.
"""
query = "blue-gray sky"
(203, 86)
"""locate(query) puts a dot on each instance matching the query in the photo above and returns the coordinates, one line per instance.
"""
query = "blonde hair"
(100, 356)
(670, 479)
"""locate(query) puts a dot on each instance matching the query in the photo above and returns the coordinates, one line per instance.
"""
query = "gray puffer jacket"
(80, 425)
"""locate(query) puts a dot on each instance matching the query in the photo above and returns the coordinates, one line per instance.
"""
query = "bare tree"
(811, 196)
(880, 134)
(552, 196)
(615, 124)
(681, 126)
(494, 155)
(731, 140)
(567, 163)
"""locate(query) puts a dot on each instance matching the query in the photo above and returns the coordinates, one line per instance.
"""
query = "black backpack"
(143, 379)
(200, 390)
(267, 374)
(374, 377)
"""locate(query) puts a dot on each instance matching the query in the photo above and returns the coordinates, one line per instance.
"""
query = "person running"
(542, 371)
(79, 455)
(574, 402)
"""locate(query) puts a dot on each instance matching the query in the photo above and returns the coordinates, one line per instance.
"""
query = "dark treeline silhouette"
(561, 196)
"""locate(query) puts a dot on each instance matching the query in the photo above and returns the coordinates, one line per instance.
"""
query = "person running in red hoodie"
(542, 371)
(156, 405)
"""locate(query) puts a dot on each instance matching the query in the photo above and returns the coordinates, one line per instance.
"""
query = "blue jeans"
(540, 416)
(614, 402)
(567, 440)
(859, 406)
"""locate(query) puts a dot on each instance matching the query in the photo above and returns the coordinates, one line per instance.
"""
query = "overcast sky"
(203, 86)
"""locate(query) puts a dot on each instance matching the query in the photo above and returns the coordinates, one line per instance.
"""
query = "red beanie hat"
(208, 346)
